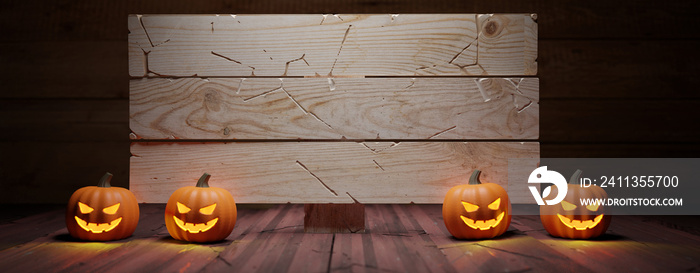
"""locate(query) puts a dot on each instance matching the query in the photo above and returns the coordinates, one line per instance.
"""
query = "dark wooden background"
(618, 79)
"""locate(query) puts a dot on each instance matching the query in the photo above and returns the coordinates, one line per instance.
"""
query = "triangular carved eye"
(208, 210)
(469, 207)
(85, 209)
(182, 208)
(111, 209)
(495, 204)
(567, 205)
(593, 207)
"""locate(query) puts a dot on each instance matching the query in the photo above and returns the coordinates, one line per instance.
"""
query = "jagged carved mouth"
(195, 228)
(98, 227)
(580, 224)
(483, 224)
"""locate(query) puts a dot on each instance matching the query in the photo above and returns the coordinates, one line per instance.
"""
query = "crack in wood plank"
(481, 88)
(235, 61)
(140, 17)
(286, 66)
(240, 84)
(375, 163)
(263, 94)
(376, 151)
(317, 178)
(353, 198)
(442, 132)
(306, 112)
(345, 36)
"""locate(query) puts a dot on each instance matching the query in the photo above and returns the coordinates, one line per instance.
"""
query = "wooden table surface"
(399, 238)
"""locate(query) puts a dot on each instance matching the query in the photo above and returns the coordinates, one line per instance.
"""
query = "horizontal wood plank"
(70, 69)
(619, 120)
(589, 69)
(332, 45)
(369, 108)
(324, 172)
(578, 19)
(49, 172)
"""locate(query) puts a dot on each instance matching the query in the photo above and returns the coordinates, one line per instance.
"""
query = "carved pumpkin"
(570, 219)
(476, 210)
(200, 213)
(102, 213)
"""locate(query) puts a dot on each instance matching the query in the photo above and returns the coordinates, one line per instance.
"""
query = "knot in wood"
(212, 99)
(492, 28)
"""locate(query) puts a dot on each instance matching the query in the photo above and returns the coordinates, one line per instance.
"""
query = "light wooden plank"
(329, 45)
(323, 172)
(369, 108)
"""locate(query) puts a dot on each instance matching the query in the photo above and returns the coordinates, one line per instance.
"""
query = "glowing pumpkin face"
(200, 213)
(476, 210)
(570, 219)
(102, 213)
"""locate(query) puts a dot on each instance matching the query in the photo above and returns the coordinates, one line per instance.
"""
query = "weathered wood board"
(332, 45)
(340, 108)
(324, 172)
(334, 82)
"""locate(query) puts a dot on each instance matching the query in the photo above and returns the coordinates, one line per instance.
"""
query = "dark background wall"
(618, 79)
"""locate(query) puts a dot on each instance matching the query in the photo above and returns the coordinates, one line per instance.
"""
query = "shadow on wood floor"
(399, 238)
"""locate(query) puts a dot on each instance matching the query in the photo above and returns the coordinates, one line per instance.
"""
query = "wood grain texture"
(69, 120)
(399, 238)
(323, 172)
(619, 121)
(331, 45)
(49, 172)
(635, 246)
(369, 108)
(603, 69)
(84, 69)
(334, 218)
(576, 19)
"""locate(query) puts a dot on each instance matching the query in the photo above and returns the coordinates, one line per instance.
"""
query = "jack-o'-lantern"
(476, 210)
(200, 213)
(570, 219)
(102, 213)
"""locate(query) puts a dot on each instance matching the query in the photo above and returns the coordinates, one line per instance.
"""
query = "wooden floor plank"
(615, 252)
(348, 254)
(521, 252)
(264, 242)
(420, 242)
(400, 238)
(53, 252)
(19, 231)
(313, 254)
(67, 253)
(151, 236)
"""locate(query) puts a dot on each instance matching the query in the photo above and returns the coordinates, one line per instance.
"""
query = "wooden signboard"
(379, 108)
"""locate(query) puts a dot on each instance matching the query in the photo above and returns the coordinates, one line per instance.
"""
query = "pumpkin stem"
(575, 177)
(204, 181)
(474, 179)
(104, 181)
